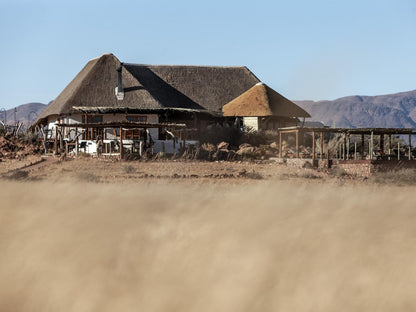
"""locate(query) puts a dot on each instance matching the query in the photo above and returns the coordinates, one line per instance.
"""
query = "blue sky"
(316, 50)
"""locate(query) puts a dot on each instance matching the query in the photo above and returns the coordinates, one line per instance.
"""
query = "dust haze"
(271, 246)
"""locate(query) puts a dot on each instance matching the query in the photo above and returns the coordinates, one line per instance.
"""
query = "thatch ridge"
(152, 87)
(211, 87)
(261, 101)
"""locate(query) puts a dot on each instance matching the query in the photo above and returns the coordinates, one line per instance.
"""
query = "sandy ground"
(100, 236)
(169, 171)
(12, 164)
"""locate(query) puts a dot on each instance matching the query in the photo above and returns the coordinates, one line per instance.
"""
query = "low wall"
(361, 168)
(365, 168)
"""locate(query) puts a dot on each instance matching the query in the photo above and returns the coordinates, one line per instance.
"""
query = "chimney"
(119, 89)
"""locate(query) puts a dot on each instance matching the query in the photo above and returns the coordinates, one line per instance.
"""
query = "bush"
(129, 169)
(338, 172)
(254, 175)
(88, 177)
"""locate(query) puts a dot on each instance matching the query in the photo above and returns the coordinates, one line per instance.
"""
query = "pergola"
(347, 133)
(122, 126)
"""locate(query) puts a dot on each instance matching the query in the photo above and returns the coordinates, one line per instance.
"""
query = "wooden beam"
(280, 144)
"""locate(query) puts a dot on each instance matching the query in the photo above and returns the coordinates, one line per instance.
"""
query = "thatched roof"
(151, 87)
(260, 101)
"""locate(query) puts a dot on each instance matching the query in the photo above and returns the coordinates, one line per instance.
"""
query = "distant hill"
(392, 111)
(22, 113)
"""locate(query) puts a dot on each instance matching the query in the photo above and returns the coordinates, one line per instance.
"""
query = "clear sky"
(315, 50)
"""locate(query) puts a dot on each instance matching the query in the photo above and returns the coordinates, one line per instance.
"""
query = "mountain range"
(383, 111)
(26, 113)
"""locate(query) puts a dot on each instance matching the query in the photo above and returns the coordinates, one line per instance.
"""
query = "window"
(92, 133)
(135, 134)
(92, 119)
(137, 118)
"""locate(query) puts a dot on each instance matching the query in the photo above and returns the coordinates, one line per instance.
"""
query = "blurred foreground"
(268, 247)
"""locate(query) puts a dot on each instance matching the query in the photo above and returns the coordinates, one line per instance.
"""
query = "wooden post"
(297, 143)
(389, 146)
(141, 144)
(398, 150)
(362, 146)
(382, 143)
(280, 144)
(348, 146)
(322, 145)
(371, 144)
(344, 145)
(410, 146)
(61, 142)
(355, 150)
(121, 143)
(340, 152)
(313, 145)
(56, 140)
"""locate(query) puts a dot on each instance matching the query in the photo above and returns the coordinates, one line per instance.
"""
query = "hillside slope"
(22, 113)
(392, 110)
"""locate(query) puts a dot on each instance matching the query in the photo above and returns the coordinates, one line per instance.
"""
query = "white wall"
(252, 122)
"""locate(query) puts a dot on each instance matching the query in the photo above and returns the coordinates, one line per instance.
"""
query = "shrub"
(129, 169)
(88, 177)
(338, 172)
(254, 175)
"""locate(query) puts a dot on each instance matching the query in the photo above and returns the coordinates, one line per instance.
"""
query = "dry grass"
(261, 247)
(399, 177)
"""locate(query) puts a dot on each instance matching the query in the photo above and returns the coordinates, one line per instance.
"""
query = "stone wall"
(365, 168)
(361, 168)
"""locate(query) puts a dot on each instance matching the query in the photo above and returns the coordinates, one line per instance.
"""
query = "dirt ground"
(260, 246)
(80, 235)
(169, 171)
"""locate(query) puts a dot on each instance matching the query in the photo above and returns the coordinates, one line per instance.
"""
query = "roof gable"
(261, 100)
